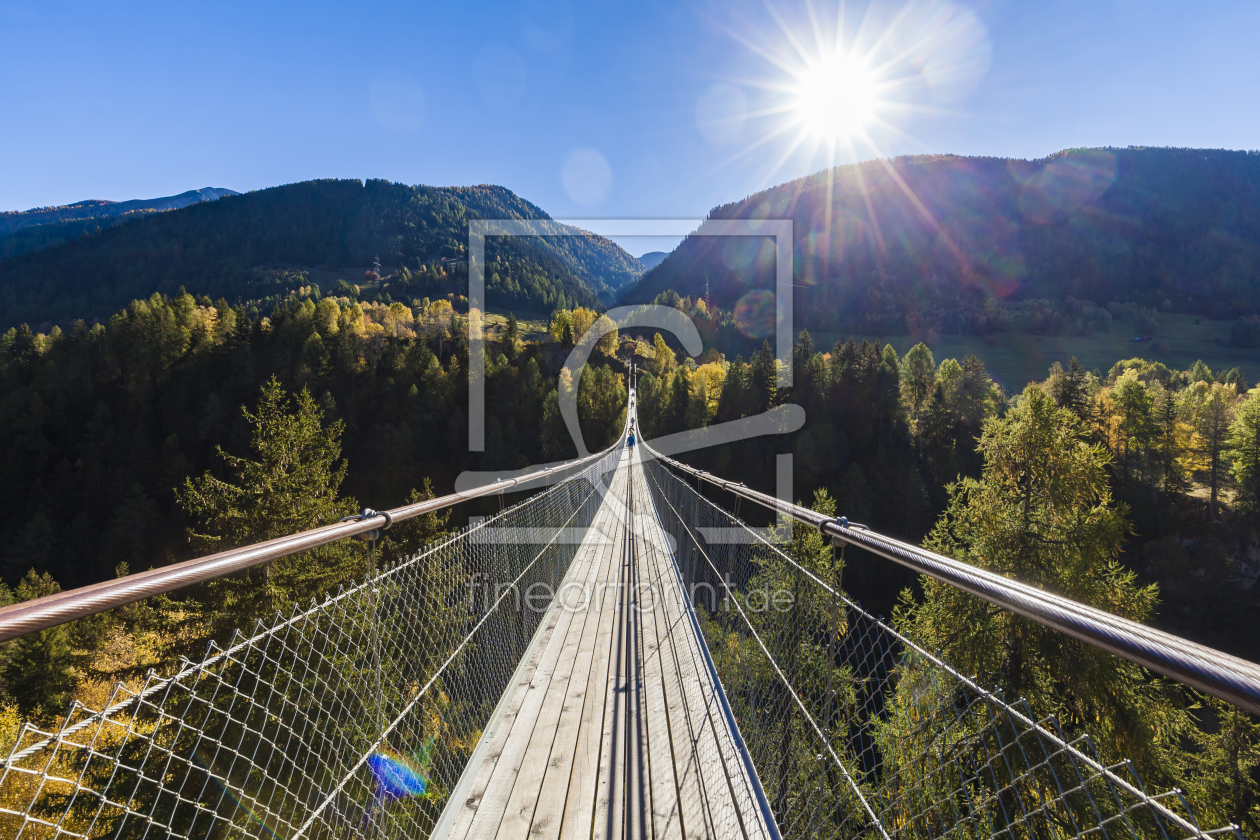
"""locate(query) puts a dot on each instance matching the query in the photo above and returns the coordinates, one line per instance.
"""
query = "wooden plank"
(667, 818)
(638, 794)
(488, 790)
(715, 795)
(689, 719)
(609, 795)
(619, 729)
(713, 749)
(554, 806)
(745, 786)
(551, 744)
(579, 810)
(459, 829)
(518, 814)
(711, 760)
(690, 807)
(494, 803)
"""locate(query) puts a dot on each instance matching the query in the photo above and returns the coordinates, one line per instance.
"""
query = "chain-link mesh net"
(352, 717)
(856, 731)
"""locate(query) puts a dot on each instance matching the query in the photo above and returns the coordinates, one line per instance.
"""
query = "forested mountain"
(224, 248)
(939, 241)
(42, 227)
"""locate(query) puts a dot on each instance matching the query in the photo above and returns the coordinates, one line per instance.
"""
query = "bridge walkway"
(615, 725)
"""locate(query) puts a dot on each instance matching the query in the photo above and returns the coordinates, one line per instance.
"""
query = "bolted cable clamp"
(368, 513)
(841, 522)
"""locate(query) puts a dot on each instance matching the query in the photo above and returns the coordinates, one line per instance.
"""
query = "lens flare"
(399, 777)
(754, 313)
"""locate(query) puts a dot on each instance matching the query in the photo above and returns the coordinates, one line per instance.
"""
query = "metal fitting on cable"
(368, 513)
(843, 522)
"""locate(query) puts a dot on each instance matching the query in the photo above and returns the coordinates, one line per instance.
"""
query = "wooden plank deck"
(615, 728)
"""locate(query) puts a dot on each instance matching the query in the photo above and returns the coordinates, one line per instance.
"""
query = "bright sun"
(836, 98)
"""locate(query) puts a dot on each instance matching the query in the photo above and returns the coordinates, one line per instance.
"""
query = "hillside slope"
(220, 248)
(889, 244)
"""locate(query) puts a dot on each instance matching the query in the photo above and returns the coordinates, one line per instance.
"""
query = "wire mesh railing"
(351, 717)
(856, 731)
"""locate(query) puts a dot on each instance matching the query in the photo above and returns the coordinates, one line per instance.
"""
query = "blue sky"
(595, 109)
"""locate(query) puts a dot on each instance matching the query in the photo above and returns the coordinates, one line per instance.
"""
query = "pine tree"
(802, 352)
(1221, 773)
(1199, 372)
(292, 486)
(731, 398)
(665, 360)
(1070, 390)
(511, 335)
(1166, 416)
(1135, 403)
(918, 376)
(38, 671)
(763, 383)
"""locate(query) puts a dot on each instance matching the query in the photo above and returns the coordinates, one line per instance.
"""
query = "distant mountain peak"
(652, 259)
(22, 231)
(92, 208)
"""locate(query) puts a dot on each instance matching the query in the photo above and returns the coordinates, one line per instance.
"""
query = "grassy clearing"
(1014, 359)
(532, 325)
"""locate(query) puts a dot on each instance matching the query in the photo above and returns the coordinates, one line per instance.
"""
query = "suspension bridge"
(618, 655)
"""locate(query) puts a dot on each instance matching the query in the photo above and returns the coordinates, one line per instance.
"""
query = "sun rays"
(834, 88)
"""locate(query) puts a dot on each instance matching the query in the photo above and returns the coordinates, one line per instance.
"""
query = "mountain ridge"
(920, 242)
(14, 220)
(227, 248)
(23, 231)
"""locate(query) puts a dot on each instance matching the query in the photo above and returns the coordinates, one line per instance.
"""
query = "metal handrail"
(1226, 677)
(41, 613)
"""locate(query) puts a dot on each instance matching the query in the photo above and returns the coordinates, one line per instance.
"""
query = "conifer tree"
(665, 360)
(37, 670)
(918, 376)
(731, 398)
(511, 335)
(1165, 419)
(292, 486)
(763, 384)
(1221, 771)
